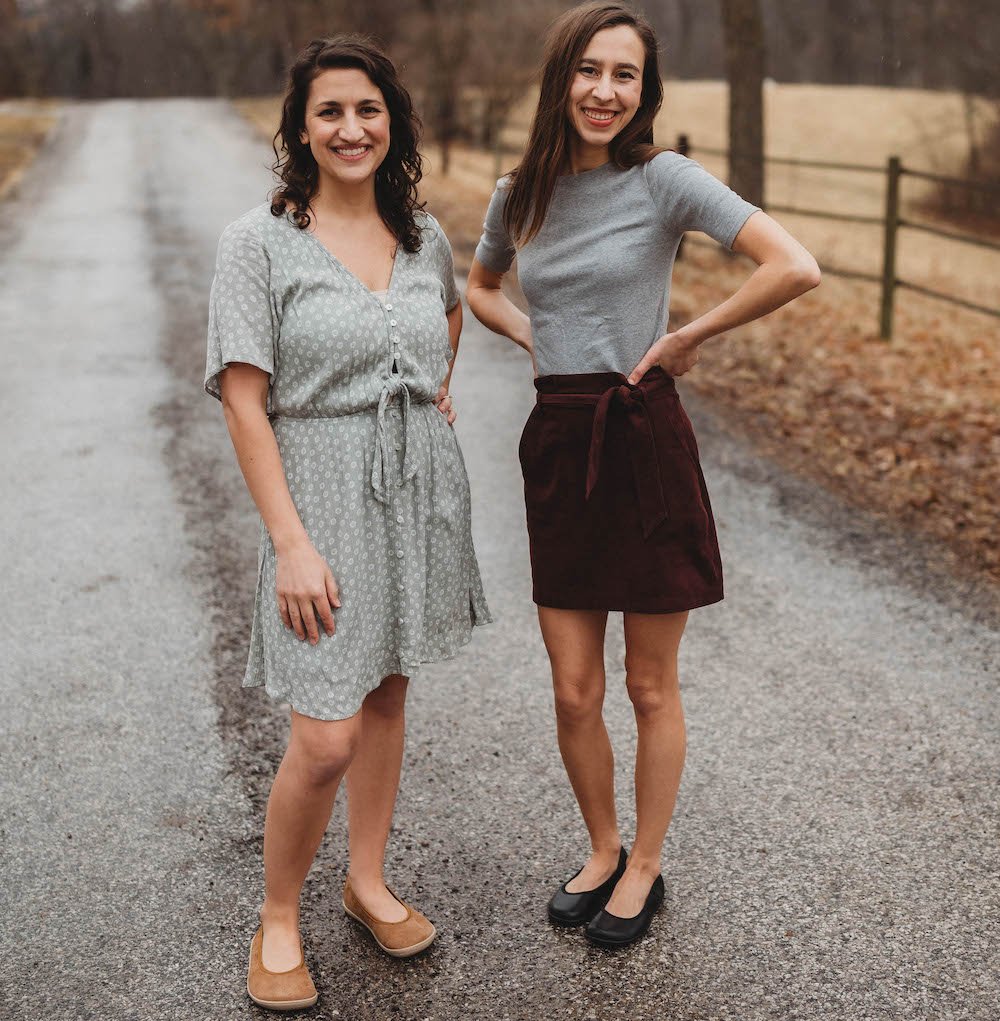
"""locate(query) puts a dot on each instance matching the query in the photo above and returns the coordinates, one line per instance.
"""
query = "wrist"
(686, 338)
(286, 543)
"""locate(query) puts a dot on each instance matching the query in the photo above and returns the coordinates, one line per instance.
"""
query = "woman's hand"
(306, 587)
(674, 354)
(443, 403)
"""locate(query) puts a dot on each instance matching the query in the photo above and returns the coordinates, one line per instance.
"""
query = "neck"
(344, 200)
(584, 157)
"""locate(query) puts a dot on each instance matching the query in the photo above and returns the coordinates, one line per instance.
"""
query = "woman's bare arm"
(304, 580)
(443, 400)
(495, 310)
(784, 271)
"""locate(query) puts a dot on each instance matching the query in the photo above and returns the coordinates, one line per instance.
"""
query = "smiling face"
(346, 125)
(606, 89)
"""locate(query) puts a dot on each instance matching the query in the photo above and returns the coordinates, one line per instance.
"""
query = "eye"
(627, 75)
(588, 70)
(370, 110)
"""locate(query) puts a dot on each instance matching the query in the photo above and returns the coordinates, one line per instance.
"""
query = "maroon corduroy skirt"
(618, 511)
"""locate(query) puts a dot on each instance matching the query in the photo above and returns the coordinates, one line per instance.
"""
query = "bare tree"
(744, 36)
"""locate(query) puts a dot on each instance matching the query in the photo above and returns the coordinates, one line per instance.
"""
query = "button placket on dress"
(395, 519)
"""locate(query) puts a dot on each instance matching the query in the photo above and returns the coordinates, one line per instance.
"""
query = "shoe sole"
(283, 1004)
(613, 944)
(391, 951)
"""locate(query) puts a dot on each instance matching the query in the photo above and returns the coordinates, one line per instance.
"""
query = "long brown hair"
(396, 178)
(547, 152)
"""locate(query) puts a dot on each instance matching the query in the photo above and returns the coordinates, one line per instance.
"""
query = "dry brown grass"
(24, 125)
(910, 429)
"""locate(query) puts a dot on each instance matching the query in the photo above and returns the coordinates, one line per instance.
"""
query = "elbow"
(803, 275)
(474, 296)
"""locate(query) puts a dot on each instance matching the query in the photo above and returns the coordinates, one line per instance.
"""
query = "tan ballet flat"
(400, 939)
(278, 990)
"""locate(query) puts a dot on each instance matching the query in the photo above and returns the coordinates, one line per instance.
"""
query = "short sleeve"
(451, 295)
(242, 322)
(688, 197)
(495, 249)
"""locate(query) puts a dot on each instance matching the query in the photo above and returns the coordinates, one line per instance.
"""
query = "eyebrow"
(336, 102)
(594, 60)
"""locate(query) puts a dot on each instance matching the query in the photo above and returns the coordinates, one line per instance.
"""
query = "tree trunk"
(744, 36)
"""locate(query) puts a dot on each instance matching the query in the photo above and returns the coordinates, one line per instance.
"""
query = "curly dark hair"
(396, 178)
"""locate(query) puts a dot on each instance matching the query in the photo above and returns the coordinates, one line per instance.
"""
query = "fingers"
(642, 368)
(332, 589)
(296, 618)
(444, 405)
(300, 613)
(309, 621)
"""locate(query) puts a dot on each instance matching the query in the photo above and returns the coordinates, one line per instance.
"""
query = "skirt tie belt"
(630, 399)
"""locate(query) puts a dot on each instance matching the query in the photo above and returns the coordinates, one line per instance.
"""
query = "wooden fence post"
(894, 170)
(682, 148)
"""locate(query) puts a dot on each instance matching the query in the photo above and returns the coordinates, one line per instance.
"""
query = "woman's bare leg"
(651, 644)
(574, 640)
(298, 811)
(372, 783)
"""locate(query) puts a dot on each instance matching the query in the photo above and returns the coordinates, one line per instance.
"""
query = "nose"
(351, 129)
(603, 89)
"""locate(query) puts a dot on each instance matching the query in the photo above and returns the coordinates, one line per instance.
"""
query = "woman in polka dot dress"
(333, 328)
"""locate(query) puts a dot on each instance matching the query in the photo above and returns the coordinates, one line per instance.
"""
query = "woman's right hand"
(306, 588)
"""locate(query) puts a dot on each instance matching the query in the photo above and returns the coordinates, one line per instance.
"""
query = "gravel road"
(836, 849)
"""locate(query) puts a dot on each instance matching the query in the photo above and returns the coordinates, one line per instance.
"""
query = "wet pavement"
(836, 848)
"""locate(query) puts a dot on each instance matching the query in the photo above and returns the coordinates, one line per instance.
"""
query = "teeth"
(352, 152)
(600, 115)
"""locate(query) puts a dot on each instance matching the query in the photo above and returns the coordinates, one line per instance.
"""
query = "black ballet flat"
(579, 908)
(610, 931)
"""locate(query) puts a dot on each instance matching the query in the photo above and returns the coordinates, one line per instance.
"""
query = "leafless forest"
(197, 47)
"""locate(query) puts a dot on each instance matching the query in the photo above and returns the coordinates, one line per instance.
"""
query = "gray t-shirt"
(597, 275)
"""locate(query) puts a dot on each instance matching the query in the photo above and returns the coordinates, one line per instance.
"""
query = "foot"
(282, 947)
(377, 900)
(599, 868)
(632, 890)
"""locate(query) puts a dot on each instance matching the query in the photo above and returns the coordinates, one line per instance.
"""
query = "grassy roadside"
(24, 126)
(910, 430)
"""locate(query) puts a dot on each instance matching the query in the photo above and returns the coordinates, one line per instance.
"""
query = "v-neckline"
(353, 276)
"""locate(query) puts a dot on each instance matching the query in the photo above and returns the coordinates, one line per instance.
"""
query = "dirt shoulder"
(24, 126)
(909, 429)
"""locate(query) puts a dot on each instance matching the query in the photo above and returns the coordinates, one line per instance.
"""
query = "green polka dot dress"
(373, 467)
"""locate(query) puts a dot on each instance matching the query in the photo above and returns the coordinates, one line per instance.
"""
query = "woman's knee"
(578, 696)
(323, 749)
(652, 689)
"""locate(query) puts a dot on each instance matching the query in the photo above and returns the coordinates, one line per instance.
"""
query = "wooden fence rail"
(891, 222)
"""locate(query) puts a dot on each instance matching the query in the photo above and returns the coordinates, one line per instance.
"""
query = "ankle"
(608, 848)
(647, 867)
(276, 916)
(366, 880)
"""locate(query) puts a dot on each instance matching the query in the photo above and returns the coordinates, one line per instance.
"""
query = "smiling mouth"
(599, 118)
(351, 153)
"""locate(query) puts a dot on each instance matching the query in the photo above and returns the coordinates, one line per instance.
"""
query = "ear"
(304, 137)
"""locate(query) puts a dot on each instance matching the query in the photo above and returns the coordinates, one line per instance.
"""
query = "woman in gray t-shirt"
(618, 512)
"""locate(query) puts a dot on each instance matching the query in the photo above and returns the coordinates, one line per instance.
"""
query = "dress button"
(388, 308)
(400, 620)
(401, 587)
(399, 519)
(392, 322)
(399, 554)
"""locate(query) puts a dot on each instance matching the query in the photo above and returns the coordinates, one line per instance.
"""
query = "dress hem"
(407, 669)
